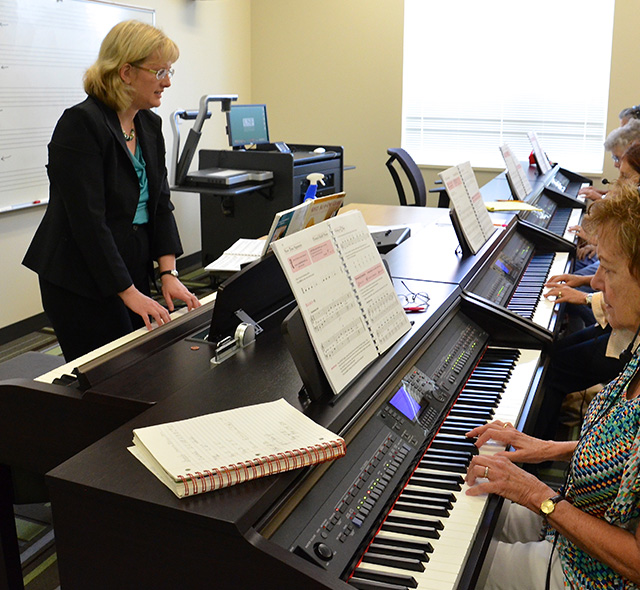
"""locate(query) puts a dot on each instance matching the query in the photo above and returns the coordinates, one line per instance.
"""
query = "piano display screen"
(560, 182)
(504, 267)
(541, 218)
(405, 403)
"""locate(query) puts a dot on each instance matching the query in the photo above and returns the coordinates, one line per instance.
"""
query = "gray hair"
(630, 113)
(624, 136)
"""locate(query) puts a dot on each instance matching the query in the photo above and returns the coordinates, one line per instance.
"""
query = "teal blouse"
(142, 212)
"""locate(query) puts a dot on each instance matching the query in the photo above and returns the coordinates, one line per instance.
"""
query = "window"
(481, 74)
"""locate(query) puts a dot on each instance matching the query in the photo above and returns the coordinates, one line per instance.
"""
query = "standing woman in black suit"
(109, 214)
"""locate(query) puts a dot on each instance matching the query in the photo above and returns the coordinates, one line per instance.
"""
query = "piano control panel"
(498, 281)
(541, 218)
(333, 523)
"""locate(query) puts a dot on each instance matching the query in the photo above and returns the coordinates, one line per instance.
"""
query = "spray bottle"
(314, 178)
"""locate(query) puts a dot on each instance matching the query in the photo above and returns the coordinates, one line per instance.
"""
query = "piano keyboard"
(426, 537)
(67, 368)
(527, 299)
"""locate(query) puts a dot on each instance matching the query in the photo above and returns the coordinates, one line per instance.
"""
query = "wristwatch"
(173, 273)
(548, 506)
(588, 298)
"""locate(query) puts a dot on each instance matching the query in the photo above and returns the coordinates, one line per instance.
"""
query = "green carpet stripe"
(38, 570)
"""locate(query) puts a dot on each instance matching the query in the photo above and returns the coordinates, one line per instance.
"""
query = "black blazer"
(93, 196)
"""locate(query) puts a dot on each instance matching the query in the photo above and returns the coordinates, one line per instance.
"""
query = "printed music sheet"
(539, 153)
(464, 192)
(519, 180)
(346, 298)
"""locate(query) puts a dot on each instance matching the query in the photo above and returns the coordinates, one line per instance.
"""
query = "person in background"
(586, 535)
(616, 143)
(629, 113)
(109, 214)
(592, 355)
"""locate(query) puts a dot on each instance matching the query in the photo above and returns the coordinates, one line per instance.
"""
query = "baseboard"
(23, 327)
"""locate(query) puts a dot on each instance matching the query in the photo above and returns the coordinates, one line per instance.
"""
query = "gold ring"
(506, 424)
(486, 473)
(559, 294)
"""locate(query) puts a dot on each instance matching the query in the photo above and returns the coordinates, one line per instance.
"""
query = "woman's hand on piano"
(569, 280)
(586, 251)
(527, 449)
(498, 475)
(172, 288)
(566, 294)
(144, 306)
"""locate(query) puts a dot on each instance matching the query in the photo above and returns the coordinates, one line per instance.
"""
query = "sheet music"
(519, 180)
(464, 192)
(541, 156)
(346, 298)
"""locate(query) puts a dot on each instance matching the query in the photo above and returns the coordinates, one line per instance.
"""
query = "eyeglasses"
(413, 302)
(160, 74)
(616, 159)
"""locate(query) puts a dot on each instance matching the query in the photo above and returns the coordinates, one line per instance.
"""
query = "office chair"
(406, 162)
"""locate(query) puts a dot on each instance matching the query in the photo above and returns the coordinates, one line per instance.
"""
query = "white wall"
(331, 72)
(214, 42)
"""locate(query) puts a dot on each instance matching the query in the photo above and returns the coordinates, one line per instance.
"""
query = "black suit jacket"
(94, 193)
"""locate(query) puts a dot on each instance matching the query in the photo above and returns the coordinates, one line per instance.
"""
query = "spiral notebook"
(346, 298)
(218, 450)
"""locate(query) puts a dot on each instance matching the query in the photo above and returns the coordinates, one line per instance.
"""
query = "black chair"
(406, 162)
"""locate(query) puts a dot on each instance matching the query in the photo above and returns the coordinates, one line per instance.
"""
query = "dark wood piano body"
(109, 510)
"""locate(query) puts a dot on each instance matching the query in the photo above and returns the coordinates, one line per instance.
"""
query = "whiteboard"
(45, 48)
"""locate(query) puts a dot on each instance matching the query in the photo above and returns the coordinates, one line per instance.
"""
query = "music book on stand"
(219, 450)
(519, 182)
(462, 188)
(346, 298)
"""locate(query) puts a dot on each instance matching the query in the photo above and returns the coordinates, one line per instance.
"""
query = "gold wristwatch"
(548, 506)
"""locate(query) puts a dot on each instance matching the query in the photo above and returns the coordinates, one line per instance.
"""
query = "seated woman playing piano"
(586, 534)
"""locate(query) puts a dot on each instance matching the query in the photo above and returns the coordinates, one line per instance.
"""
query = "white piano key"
(547, 308)
(67, 369)
(574, 219)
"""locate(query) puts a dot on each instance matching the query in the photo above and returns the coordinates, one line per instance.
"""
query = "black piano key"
(372, 580)
(434, 482)
(387, 539)
(479, 397)
(408, 529)
(403, 563)
(472, 422)
(471, 412)
(441, 454)
(454, 443)
(445, 465)
(418, 522)
(422, 508)
(430, 496)
(448, 453)
(452, 428)
(387, 549)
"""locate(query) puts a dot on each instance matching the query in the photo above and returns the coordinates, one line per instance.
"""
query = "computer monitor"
(247, 125)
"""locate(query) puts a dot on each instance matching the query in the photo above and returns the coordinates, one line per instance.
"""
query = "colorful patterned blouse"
(604, 478)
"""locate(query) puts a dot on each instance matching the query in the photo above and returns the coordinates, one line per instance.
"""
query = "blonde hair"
(129, 42)
(618, 216)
